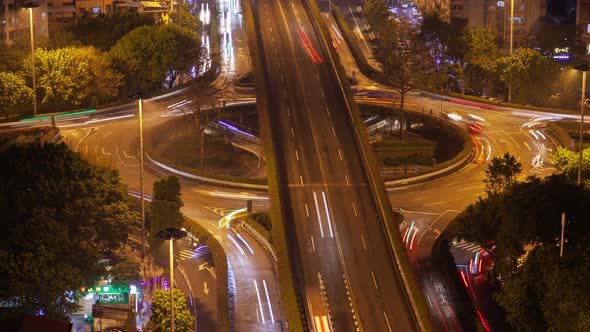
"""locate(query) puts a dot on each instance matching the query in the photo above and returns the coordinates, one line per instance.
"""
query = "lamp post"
(171, 233)
(141, 178)
(583, 68)
(30, 6)
(511, 42)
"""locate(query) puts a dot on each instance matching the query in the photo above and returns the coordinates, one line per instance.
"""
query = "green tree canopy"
(149, 55)
(166, 204)
(160, 318)
(501, 174)
(530, 74)
(541, 292)
(480, 58)
(73, 77)
(377, 15)
(567, 162)
(103, 31)
(406, 61)
(16, 98)
(60, 215)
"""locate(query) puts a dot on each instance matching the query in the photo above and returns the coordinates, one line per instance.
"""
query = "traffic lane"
(328, 140)
(303, 242)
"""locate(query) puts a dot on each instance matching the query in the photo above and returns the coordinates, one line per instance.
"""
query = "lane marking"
(259, 302)
(317, 208)
(328, 110)
(301, 179)
(272, 317)
(387, 321)
(346, 178)
(292, 132)
(354, 209)
(437, 203)
(364, 243)
(312, 243)
(333, 131)
(340, 154)
(296, 154)
(328, 214)
(306, 210)
(374, 280)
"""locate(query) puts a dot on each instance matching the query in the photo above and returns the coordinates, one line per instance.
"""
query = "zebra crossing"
(469, 246)
(191, 253)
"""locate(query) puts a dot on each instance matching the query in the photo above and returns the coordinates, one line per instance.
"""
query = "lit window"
(500, 4)
(588, 28)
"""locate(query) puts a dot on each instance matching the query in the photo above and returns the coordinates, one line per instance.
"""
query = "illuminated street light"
(30, 6)
(171, 233)
(583, 68)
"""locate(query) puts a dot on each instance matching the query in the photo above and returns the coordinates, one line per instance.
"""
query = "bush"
(263, 219)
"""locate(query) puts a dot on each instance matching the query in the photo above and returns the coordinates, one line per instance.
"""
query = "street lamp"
(583, 68)
(30, 6)
(171, 233)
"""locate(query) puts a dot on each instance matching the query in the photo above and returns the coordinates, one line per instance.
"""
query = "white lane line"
(333, 131)
(288, 110)
(306, 210)
(107, 134)
(437, 203)
(317, 210)
(231, 238)
(301, 179)
(317, 77)
(312, 243)
(328, 110)
(259, 302)
(346, 178)
(449, 184)
(246, 243)
(272, 317)
(292, 132)
(463, 189)
(281, 78)
(328, 214)
(387, 321)
(285, 93)
(340, 154)
(374, 280)
(364, 243)
(296, 154)
(105, 153)
(354, 209)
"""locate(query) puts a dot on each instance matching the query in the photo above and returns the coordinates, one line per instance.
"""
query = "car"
(475, 128)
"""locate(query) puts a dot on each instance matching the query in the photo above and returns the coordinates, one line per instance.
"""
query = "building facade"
(528, 15)
(15, 20)
(583, 24)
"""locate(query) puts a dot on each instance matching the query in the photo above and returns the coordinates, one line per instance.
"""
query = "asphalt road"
(347, 273)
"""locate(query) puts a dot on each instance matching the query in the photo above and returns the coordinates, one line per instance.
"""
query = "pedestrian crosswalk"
(191, 253)
(469, 246)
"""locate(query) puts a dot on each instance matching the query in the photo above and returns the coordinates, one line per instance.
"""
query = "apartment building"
(583, 24)
(15, 18)
(528, 15)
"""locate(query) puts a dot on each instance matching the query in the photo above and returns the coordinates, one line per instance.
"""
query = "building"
(528, 15)
(583, 25)
(15, 20)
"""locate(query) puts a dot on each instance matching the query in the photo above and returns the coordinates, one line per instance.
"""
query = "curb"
(431, 176)
(206, 179)
(260, 239)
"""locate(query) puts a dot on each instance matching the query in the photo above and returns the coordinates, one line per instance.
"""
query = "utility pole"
(141, 179)
(33, 62)
(582, 127)
(562, 232)
(171, 285)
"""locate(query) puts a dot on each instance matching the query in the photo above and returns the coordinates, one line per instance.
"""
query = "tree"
(480, 57)
(104, 31)
(377, 15)
(150, 56)
(501, 174)
(406, 62)
(530, 75)
(541, 291)
(73, 77)
(125, 271)
(160, 318)
(60, 215)
(166, 204)
(15, 96)
(188, 20)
